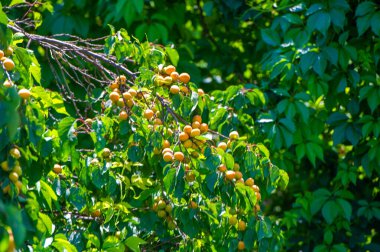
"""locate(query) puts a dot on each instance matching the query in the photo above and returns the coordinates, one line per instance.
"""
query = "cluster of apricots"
(188, 140)
(122, 96)
(9, 65)
(15, 172)
(164, 211)
(169, 77)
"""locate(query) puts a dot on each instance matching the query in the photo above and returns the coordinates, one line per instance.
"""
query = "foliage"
(123, 152)
(301, 64)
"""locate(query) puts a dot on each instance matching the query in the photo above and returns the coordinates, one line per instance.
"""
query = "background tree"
(122, 152)
(316, 62)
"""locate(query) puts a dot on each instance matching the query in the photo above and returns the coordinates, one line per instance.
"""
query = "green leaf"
(270, 37)
(314, 8)
(375, 21)
(330, 211)
(77, 198)
(62, 245)
(320, 248)
(173, 55)
(263, 149)
(292, 18)
(319, 21)
(249, 161)
(133, 242)
(14, 2)
(135, 153)
(328, 237)
(46, 222)
(363, 24)
(219, 117)
(364, 8)
(112, 244)
(48, 193)
(139, 5)
(320, 65)
(263, 229)
(346, 208)
(319, 198)
(169, 180)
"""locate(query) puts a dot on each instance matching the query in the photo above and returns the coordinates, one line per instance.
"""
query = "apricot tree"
(124, 152)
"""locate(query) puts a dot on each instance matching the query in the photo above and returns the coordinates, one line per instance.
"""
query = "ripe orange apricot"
(18, 185)
(230, 175)
(241, 225)
(187, 129)
(249, 182)
(127, 95)
(24, 93)
(8, 83)
(195, 125)
(8, 51)
(167, 150)
(166, 144)
(1, 54)
(234, 135)
(132, 91)
(195, 132)
(179, 156)
(114, 85)
(222, 145)
(57, 169)
(13, 177)
(238, 175)
(183, 136)
(120, 102)
(121, 79)
(188, 144)
(184, 77)
(130, 103)
(167, 80)
(174, 75)
(197, 118)
(240, 181)
(123, 116)
(114, 96)
(168, 156)
(241, 245)
(258, 196)
(203, 127)
(9, 65)
(148, 114)
(255, 188)
(222, 168)
(184, 89)
(201, 92)
(174, 89)
(193, 205)
(169, 69)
